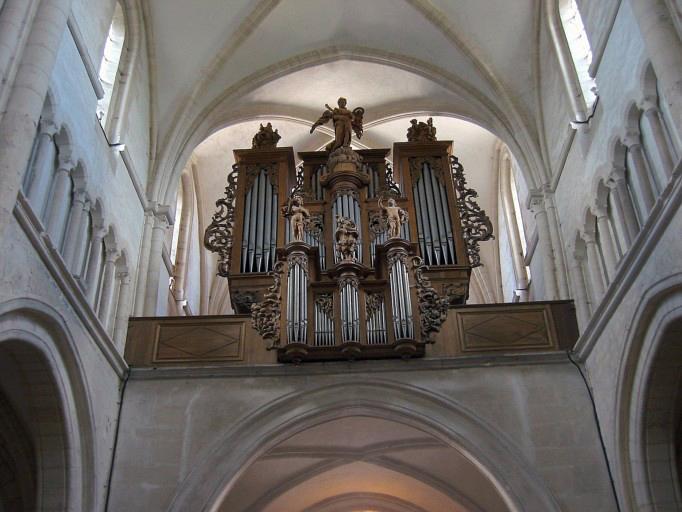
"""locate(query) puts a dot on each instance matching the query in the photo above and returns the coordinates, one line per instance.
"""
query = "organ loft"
(347, 256)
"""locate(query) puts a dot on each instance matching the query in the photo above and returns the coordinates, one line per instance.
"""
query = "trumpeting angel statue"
(345, 122)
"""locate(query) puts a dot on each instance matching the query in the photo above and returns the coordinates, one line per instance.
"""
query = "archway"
(650, 420)
(418, 420)
(44, 402)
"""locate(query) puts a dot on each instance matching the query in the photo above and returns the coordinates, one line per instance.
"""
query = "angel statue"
(298, 216)
(395, 217)
(345, 122)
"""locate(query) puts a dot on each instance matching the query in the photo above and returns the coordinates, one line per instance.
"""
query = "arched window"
(108, 69)
(579, 47)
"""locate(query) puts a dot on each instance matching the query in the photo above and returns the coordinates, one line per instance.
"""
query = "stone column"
(14, 23)
(108, 289)
(623, 205)
(182, 251)
(653, 117)
(145, 245)
(640, 173)
(606, 240)
(94, 265)
(122, 310)
(557, 245)
(74, 230)
(81, 243)
(59, 203)
(594, 265)
(664, 48)
(582, 302)
(537, 206)
(22, 113)
(155, 261)
(43, 168)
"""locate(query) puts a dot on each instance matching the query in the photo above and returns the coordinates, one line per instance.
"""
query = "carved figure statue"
(347, 237)
(265, 138)
(298, 216)
(345, 122)
(395, 217)
(421, 131)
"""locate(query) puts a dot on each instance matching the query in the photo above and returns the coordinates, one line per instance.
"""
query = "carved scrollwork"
(433, 309)
(265, 315)
(325, 302)
(476, 226)
(455, 294)
(390, 188)
(300, 259)
(417, 164)
(253, 170)
(315, 225)
(394, 256)
(377, 223)
(348, 279)
(373, 303)
(218, 236)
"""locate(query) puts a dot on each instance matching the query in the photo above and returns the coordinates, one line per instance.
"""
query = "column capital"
(536, 201)
(48, 128)
(66, 164)
(99, 233)
(124, 277)
(599, 211)
(648, 104)
(631, 139)
(112, 255)
(617, 174)
(588, 235)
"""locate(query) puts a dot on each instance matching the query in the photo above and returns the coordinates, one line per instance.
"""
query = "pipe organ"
(343, 257)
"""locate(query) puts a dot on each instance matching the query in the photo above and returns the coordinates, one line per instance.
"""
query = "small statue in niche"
(265, 138)
(298, 216)
(421, 131)
(345, 122)
(347, 237)
(395, 217)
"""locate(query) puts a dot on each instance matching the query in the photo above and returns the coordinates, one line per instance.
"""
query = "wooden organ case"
(342, 288)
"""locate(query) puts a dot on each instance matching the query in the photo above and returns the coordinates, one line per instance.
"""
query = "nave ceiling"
(216, 64)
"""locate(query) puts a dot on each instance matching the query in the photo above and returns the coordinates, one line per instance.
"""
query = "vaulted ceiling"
(217, 63)
(360, 464)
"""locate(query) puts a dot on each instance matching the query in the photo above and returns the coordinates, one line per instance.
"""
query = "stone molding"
(67, 284)
(662, 213)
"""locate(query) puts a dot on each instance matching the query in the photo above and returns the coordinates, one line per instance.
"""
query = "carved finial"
(421, 131)
(266, 138)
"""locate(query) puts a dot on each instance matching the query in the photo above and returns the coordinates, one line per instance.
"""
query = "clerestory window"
(580, 49)
(108, 70)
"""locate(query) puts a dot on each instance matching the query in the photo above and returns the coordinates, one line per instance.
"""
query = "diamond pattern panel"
(189, 342)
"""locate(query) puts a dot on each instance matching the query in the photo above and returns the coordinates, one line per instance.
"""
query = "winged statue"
(345, 123)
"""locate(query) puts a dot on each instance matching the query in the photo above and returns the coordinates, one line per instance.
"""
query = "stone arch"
(648, 401)
(489, 449)
(221, 112)
(43, 358)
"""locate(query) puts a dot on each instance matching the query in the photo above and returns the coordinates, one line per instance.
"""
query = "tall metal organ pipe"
(259, 233)
(436, 241)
